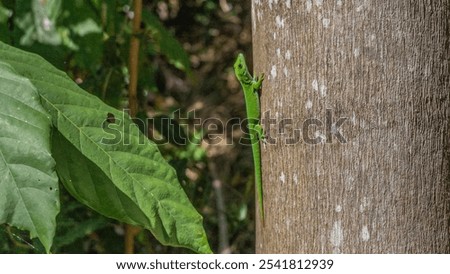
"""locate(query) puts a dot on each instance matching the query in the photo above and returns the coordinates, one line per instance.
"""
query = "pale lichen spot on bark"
(259, 15)
(282, 177)
(295, 178)
(308, 104)
(356, 52)
(320, 88)
(288, 222)
(319, 135)
(277, 115)
(271, 2)
(339, 2)
(288, 55)
(285, 72)
(338, 208)
(279, 22)
(315, 85)
(278, 52)
(308, 5)
(365, 235)
(279, 103)
(326, 22)
(364, 204)
(288, 4)
(336, 236)
(319, 3)
(273, 72)
(353, 118)
(334, 129)
(323, 90)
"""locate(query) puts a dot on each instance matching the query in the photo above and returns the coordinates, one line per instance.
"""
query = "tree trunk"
(356, 111)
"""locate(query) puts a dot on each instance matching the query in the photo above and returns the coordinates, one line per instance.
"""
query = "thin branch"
(133, 68)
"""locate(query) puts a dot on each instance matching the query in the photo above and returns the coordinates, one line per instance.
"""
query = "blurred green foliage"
(186, 55)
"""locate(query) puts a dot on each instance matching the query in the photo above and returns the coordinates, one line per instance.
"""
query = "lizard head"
(240, 67)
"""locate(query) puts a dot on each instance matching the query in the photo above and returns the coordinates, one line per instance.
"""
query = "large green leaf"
(111, 141)
(28, 183)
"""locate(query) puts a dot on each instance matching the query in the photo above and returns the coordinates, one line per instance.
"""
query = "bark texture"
(357, 117)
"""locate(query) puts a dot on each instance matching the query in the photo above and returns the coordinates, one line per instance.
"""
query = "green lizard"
(252, 87)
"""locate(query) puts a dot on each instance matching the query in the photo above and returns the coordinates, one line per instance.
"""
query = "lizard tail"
(258, 180)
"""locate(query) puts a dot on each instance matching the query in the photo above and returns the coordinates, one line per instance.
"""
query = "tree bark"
(356, 111)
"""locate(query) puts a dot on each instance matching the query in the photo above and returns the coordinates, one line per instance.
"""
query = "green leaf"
(111, 141)
(85, 181)
(45, 14)
(168, 45)
(5, 15)
(73, 225)
(29, 196)
(170, 129)
(39, 24)
(85, 33)
(86, 27)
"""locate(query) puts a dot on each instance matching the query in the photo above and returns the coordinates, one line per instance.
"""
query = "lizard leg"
(256, 131)
(257, 83)
(260, 132)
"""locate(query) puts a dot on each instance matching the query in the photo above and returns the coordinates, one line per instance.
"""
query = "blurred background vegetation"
(186, 90)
